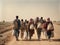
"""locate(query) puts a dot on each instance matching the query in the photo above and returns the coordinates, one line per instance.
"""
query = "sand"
(44, 41)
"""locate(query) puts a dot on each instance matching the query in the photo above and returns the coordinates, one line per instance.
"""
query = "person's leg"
(38, 33)
(38, 36)
(46, 34)
(49, 34)
(16, 35)
(27, 35)
(16, 38)
(21, 34)
(30, 34)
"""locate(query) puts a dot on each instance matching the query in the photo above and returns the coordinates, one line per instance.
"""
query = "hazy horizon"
(27, 9)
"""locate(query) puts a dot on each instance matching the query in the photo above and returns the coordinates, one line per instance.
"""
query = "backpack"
(15, 25)
(31, 26)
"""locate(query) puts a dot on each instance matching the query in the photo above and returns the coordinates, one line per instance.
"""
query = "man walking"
(17, 26)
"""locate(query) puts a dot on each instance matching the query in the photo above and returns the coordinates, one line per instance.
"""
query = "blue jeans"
(16, 33)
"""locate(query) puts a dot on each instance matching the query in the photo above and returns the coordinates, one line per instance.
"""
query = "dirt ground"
(44, 41)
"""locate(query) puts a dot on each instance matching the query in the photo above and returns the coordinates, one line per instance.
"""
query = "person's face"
(16, 17)
(48, 20)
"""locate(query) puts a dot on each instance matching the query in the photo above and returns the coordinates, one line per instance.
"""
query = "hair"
(41, 17)
(48, 18)
(27, 21)
(16, 17)
(21, 19)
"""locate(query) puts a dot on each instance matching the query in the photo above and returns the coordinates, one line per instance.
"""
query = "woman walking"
(31, 28)
(50, 28)
(26, 29)
(22, 28)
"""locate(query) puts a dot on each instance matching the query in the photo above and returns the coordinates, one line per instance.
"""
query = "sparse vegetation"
(4, 28)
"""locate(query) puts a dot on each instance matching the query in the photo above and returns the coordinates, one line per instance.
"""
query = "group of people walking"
(29, 26)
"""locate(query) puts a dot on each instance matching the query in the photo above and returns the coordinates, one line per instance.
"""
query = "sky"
(27, 9)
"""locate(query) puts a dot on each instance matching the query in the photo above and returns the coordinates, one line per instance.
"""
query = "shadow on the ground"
(58, 40)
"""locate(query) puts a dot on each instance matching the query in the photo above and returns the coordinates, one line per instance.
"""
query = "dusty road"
(55, 40)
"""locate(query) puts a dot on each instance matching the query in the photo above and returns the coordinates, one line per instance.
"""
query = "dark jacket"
(18, 23)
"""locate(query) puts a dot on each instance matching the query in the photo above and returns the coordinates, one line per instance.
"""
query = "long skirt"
(31, 32)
